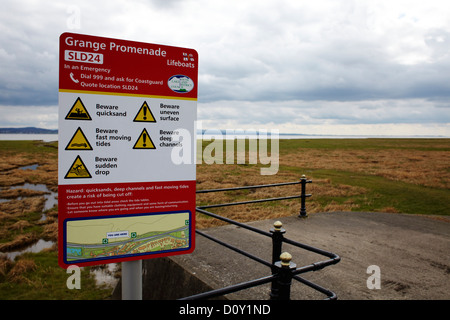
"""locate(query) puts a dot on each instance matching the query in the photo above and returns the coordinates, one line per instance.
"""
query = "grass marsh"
(390, 175)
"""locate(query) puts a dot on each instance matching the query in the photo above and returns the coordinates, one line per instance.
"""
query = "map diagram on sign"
(121, 236)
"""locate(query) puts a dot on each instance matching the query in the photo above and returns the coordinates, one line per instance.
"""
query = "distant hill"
(28, 130)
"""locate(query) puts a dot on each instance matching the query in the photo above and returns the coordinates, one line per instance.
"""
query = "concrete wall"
(165, 279)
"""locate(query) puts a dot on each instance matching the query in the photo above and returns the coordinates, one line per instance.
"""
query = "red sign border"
(67, 85)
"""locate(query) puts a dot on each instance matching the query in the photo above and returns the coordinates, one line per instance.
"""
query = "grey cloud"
(344, 112)
(339, 69)
(28, 54)
(260, 61)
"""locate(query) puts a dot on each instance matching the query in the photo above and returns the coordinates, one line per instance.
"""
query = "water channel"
(103, 276)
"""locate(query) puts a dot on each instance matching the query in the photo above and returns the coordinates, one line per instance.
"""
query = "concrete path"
(411, 251)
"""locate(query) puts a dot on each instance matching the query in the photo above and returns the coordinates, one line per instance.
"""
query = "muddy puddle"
(18, 195)
(30, 167)
(16, 198)
(34, 248)
(51, 198)
(106, 275)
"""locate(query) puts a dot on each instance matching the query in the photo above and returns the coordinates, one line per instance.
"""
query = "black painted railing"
(283, 270)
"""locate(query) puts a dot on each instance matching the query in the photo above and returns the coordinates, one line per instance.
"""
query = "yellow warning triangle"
(78, 170)
(79, 141)
(144, 114)
(78, 111)
(144, 141)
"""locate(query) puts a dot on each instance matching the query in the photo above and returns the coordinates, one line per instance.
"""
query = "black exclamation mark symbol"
(145, 112)
(144, 136)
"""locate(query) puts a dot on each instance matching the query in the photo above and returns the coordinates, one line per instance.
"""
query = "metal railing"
(283, 270)
(303, 181)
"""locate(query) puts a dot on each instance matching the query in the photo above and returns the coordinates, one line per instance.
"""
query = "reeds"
(16, 272)
(20, 241)
(421, 167)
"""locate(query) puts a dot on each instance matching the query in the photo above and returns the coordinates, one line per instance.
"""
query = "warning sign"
(126, 162)
(78, 170)
(78, 111)
(144, 141)
(144, 114)
(79, 141)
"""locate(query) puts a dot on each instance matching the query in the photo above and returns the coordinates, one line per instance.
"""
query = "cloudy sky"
(314, 67)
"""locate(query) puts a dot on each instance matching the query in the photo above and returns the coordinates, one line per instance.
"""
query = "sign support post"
(132, 280)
